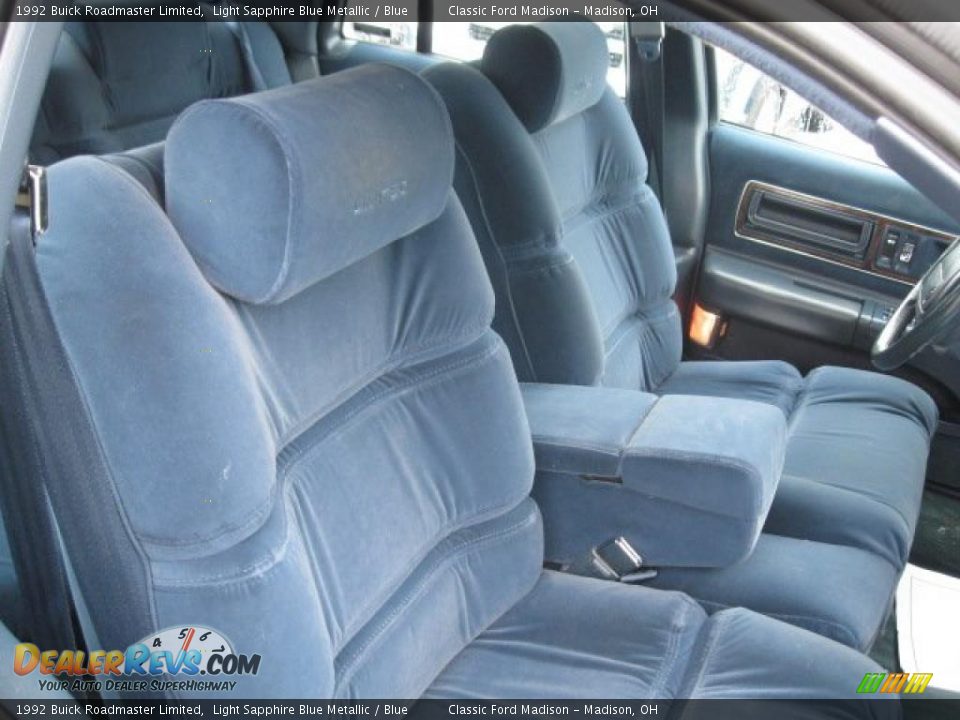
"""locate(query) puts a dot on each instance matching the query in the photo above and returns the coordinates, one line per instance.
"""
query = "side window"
(751, 99)
(466, 40)
(401, 35)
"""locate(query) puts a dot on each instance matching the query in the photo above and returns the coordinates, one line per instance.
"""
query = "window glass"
(402, 35)
(749, 98)
(466, 40)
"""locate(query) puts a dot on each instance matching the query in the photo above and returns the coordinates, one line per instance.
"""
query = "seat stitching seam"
(718, 624)
(672, 655)
(423, 382)
(644, 316)
(486, 221)
(646, 331)
(789, 617)
(414, 593)
(879, 499)
(558, 441)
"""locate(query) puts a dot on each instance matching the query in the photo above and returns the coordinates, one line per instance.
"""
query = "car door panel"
(795, 259)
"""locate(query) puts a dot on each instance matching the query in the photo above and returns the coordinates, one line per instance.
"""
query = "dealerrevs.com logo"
(179, 658)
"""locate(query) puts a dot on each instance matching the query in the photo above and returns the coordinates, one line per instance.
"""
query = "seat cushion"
(575, 637)
(856, 451)
(842, 593)
(768, 381)
(856, 462)
(743, 654)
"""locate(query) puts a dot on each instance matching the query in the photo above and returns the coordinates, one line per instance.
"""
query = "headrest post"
(32, 197)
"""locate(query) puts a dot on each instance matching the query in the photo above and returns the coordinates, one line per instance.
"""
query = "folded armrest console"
(687, 480)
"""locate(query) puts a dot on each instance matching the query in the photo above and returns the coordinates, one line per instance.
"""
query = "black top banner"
(380, 11)
(352, 10)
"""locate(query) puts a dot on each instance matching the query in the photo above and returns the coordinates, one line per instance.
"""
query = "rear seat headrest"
(276, 191)
(550, 71)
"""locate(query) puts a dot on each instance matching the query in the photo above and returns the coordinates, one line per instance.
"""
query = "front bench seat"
(580, 257)
(278, 410)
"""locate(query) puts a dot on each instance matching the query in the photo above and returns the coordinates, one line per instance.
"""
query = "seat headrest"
(276, 191)
(550, 71)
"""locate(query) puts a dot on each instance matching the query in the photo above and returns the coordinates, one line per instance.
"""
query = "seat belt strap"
(257, 81)
(648, 106)
(28, 515)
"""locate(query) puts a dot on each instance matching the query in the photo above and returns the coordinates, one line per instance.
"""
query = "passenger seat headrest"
(276, 191)
(550, 71)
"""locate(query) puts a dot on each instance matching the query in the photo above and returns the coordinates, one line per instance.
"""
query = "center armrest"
(688, 480)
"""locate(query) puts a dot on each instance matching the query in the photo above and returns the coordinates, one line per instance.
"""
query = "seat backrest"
(292, 422)
(560, 151)
(119, 85)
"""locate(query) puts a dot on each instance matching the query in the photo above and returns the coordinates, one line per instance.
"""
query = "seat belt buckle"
(648, 37)
(32, 197)
(616, 558)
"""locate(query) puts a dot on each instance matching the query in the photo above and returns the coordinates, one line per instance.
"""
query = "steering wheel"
(924, 316)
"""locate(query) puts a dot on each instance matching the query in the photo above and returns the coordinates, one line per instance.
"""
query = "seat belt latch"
(617, 560)
(648, 37)
(32, 197)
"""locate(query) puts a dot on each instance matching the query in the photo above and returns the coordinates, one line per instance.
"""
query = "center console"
(685, 481)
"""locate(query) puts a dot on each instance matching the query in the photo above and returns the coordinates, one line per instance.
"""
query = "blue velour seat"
(276, 408)
(120, 85)
(553, 178)
(116, 86)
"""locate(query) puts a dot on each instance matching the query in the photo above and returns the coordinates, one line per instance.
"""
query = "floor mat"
(928, 626)
(937, 542)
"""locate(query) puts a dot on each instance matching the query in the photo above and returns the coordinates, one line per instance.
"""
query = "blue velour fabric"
(564, 69)
(856, 452)
(552, 332)
(257, 448)
(575, 188)
(770, 381)
(115, 86)
(280, 225)
(593, 169)
(581, 429)
(842, 593)
(856, 461)
(574, 637)
(348, 466)
(688, 481)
